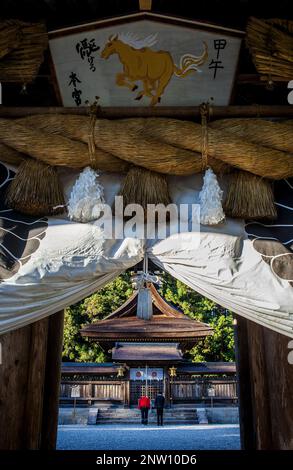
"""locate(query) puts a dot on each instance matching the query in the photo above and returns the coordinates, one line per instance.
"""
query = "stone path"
(137, 437)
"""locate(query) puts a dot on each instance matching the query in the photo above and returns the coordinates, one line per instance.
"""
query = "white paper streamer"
(87, 197)
(211, 210)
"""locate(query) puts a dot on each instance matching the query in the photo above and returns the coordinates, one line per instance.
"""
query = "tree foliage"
(91, 309)
(219, 347)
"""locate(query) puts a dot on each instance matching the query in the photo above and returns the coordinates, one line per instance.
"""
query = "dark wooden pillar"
(52, 381)
(280, 385)
(261, 393)
(14, 372)
(35, 384)
(265, 387)
(166, 388)
(244, 384)
(127, 393)
(26, 361)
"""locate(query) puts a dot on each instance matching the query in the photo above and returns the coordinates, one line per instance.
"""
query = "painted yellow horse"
(154, 68)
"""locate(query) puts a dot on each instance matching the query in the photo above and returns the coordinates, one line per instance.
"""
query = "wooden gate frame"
(31, 356)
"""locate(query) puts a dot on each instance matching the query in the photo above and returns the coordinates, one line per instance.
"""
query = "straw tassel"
(145, 187)
(36, 190)
(250, 197)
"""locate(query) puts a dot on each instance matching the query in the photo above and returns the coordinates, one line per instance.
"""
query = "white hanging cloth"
(52, 262)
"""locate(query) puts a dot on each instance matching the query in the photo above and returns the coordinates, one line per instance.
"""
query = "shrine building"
(148, 340)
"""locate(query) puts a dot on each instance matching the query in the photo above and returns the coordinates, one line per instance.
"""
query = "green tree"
(219, 346)
(91, 309)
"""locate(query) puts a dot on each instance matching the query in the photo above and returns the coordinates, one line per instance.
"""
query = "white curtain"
(231, 273)
(67, 261)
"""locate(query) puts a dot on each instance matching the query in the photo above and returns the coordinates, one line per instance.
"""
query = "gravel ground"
(134, 437)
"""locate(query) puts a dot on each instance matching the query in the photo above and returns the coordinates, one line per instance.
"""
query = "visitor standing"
(159, 405)
(144, 405)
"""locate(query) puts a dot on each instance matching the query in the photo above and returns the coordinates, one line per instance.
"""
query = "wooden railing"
(198, 389)
(178, 390)
(94, 390)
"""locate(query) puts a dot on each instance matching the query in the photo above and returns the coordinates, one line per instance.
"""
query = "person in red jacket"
(144, 404)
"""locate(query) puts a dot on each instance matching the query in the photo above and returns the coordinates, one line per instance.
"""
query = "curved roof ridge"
(125, 308)
(164, 306)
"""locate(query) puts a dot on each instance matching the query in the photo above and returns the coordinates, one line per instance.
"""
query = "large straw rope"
(168, 146)
(54, 150)
(276, 135)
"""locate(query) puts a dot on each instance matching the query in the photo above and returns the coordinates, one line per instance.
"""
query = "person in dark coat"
(159, 405)
(144, 404)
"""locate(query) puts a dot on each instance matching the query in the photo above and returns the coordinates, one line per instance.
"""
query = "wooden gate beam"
(176, 112)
